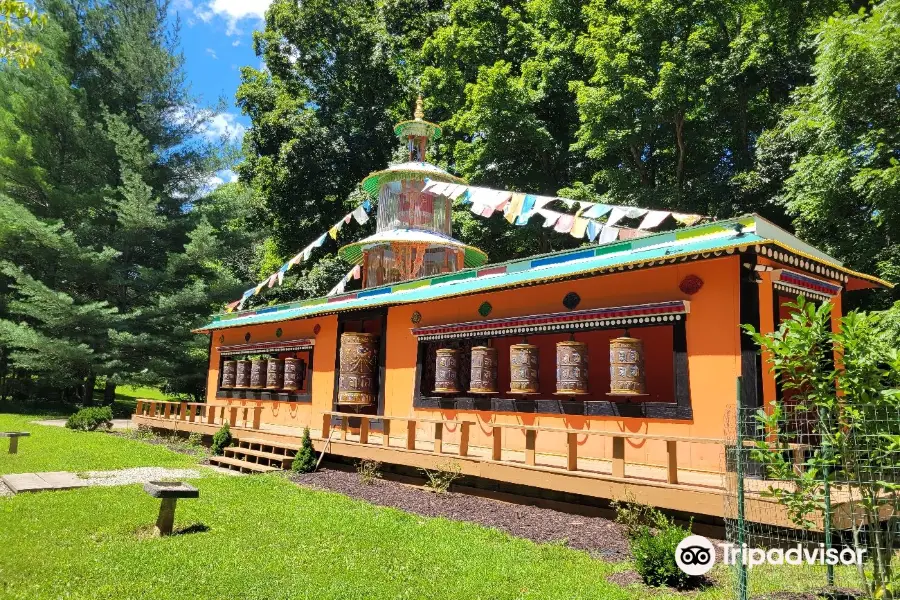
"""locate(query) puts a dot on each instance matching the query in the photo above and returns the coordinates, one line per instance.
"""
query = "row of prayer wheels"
(264, 373)
(626, 369)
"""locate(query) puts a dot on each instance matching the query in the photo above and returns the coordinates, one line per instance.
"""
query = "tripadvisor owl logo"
(696, 555)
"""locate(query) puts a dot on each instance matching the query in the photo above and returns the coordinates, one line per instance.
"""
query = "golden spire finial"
(419, 114)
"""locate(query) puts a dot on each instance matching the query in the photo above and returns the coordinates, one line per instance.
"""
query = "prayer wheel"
(626, 367)
(356, 384)
(229, 373)
(275, 374)
(571, 368)
(242, 380)
(446, 379)
(294, 372)
(523, 369)
(484, 370)
(258, 373)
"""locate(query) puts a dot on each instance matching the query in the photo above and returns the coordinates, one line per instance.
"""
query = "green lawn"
(59, 449)
(265, 538)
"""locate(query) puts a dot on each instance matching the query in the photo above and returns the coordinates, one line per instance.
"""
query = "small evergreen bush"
(653, 538)
(91, 418)
(221, 440)
(305, 460)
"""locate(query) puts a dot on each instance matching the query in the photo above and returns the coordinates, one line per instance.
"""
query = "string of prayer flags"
(550, 217)
(354, 273)
(653, 219)
(360, 215)
(620, 212)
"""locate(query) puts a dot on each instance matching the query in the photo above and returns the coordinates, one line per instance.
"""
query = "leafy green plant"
(440, 479)
(851, 433)
(221, 440)
(653, 538)
(305, 460)
(91, 418)
(369, 471)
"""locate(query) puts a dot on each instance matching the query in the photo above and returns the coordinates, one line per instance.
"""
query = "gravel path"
(137, 475)
(598, 536)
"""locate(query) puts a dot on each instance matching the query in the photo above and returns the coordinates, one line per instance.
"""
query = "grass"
(60, 449)
(263, 537)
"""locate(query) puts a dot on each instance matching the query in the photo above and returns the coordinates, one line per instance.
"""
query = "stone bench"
(169, 492)
(13, 439)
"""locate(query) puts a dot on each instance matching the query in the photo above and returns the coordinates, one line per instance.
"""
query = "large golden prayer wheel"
(626, 367)
(356, 384)
(242, 379)
(484, 370)
(258, 368)
(229, 373)
(446, 373)
(571, 368)
(523, 369)
(294, 371)
(275, 374)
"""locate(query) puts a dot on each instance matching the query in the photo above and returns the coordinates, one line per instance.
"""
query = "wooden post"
(464, 438)
(410, 435)
(497, 452)
(210, 414)
(572, 451)
(385, 432)
(139, 408)
(152, 409)
(530, 442)
(166, 517)
(14, 445)
(232, 418)
(257, 416)
(364, 431)
(246, 414)
(438, 437)
(182, 411)
(192, 413)
(167, 410)
(672, 463)
(618, 457)
(344, 429)
(326, 426)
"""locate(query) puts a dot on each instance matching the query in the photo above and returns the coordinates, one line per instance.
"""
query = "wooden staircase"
(250, 455)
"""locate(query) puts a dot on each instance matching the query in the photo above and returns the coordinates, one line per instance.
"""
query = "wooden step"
(243, 466)
(281, 458)
(256, 441)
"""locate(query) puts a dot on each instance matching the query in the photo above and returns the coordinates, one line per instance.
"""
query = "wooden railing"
(531, 434)
(191, 412)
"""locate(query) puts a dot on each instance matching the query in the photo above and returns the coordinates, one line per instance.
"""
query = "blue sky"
(217, 40)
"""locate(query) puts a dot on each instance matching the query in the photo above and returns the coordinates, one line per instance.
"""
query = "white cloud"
(228, 175)
(214, 181)
(224, 126)
(236, 43)
(212, 53)
(233, 11)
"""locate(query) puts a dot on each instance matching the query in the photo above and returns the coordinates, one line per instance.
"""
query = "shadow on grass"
(149, 531)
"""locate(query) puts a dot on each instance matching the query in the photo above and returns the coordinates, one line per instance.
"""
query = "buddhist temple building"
(583, 374)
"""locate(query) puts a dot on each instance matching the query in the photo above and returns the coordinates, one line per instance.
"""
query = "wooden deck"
(394, 440)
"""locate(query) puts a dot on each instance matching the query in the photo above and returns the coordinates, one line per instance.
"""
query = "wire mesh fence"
(814, 487)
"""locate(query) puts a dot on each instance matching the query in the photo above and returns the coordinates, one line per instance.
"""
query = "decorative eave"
(797, 283)
(258, 347)
(418, 171)
(642, 315)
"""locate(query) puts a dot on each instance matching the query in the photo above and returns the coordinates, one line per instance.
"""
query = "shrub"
(653, 538)
(441, 478)
(368, 470)
(91, 418)
(305, 460)
(221, 440)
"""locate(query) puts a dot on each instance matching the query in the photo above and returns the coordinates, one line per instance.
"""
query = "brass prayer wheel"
(294, 372)
(484, 370)
(258, 373)
(275, 374)
(626, 367)
(229, 373)
(571, 368)
(356, 384)
(446, 379)
(242, 380)
(523, 369)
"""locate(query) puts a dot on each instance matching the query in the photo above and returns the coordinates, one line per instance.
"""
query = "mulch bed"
(600, 537)
(821, 594)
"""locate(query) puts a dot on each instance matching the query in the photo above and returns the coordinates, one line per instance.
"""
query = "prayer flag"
(564, 224)
(653, 219)
(579, 227)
